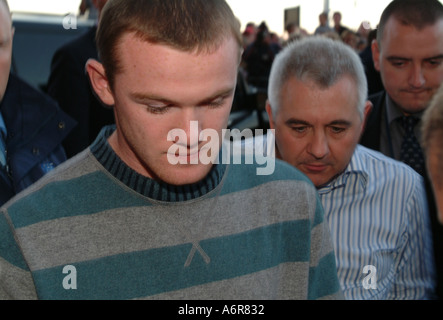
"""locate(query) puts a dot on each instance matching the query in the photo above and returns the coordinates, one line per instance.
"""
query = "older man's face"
(317, 130)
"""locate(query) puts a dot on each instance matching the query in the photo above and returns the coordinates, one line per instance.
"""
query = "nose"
(416, 78)
(192, 126)
(319, 146)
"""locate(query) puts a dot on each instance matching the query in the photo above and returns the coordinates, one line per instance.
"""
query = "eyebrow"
(147, 97)
(391, 58)
(339, 122)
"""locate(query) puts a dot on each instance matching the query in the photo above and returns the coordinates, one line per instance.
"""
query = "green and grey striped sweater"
(95, 229)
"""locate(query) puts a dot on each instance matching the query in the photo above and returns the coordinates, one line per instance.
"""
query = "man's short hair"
(432, 133)
(321, 60)
(416, 13)
(187, 25)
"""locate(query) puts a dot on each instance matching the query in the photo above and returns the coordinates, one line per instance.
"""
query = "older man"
(32, 126)
(376, 207)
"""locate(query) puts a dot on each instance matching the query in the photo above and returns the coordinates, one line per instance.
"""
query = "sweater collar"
(156, 190)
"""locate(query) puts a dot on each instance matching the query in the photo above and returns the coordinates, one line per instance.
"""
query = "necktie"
(411, 152)
(2, 144)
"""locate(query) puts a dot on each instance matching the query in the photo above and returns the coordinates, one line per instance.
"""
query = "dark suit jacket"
(69, 85)
(371, 139)
(36, 127)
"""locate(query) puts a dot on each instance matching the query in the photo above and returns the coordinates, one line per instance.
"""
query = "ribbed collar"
(156, 190)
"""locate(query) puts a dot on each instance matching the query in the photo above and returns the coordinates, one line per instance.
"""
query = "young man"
(120, 221)
(32, 126)
(408, 53)
(375, 206)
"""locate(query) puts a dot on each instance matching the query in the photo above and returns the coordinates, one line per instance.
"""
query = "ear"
(269, 111)
(99, 82)
(376, 54)
(366, 112)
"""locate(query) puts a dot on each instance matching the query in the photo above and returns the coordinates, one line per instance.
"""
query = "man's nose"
(319, 146)
(416, 77)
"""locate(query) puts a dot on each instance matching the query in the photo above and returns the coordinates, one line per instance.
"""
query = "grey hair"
(321, 60)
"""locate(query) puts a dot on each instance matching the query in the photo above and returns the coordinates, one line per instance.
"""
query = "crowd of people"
(261, 44)
(93, 208)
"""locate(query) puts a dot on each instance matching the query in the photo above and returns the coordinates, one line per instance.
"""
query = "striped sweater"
(95, 229)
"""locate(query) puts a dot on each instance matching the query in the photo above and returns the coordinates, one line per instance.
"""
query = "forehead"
(408, 40)
(131, 46)
(167, 72)
(305, 99)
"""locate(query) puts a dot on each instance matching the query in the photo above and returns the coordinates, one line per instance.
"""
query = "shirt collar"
(394, 112)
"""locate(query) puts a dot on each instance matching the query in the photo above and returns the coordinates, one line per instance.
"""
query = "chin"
(186, 174)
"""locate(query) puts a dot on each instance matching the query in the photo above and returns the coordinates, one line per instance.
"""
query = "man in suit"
(32, 126)
(68, 72)
(408, 52)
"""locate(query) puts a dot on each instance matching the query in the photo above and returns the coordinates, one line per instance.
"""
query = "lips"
(315, 168)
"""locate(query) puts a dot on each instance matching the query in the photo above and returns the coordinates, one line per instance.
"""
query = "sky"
(354, 12)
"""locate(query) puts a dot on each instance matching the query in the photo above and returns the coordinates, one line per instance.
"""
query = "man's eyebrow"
(392, 58)
(339, 122)
(147, 97)
(345, 123)
(439, 57)
(294, 121)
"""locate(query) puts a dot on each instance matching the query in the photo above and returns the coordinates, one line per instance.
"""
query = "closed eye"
(398, 62)
(299, 129)
(158, 109)
(337, 130)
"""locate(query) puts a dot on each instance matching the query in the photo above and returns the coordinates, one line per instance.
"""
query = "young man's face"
(410, 62)
(317, 130)
(160, 89)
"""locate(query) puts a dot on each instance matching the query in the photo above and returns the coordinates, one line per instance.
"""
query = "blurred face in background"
(6, 34)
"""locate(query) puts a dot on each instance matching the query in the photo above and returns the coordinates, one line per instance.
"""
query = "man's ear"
(269, 111)
(376, 54)
(366, 113)
(99, 82)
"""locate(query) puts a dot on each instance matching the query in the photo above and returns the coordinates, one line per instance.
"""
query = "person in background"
(375, 84)
(258, 57)
(408, 53)
(142, 213)
(87, 7)
(432, 141)
(338, 27)
(69, 85)
(323, 27)
(32, 126)
(375, 206)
